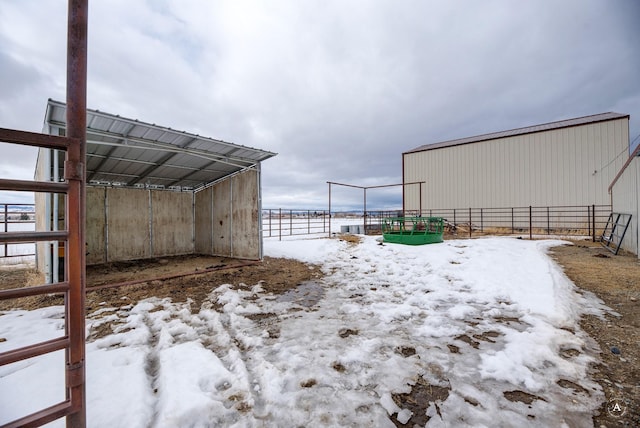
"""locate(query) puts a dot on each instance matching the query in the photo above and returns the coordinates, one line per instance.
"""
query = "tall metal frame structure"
(364, 192)
(73, 407)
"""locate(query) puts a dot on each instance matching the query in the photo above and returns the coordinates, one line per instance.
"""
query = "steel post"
(329, 210)
(6, 228)
(74, 170)
(593, 224)
(420, 197)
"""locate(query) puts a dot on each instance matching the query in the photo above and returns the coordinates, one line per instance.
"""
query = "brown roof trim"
(635, 154)
(602, 117)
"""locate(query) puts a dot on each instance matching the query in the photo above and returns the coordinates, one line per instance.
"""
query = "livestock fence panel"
(16, 218)
(583, 220)
(281, 223)
(579, 220)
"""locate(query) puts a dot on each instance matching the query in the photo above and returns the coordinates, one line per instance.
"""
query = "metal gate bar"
(73, 288)
(74, 330)
(614, 231)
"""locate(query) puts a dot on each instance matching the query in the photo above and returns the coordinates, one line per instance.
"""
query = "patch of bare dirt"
(418, 400)
(521, 396)
(351, 239)
(616, 280)
(276, 275)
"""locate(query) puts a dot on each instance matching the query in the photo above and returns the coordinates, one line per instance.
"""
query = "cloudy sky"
(338, 88)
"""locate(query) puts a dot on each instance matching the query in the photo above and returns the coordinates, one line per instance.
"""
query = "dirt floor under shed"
(615, 279)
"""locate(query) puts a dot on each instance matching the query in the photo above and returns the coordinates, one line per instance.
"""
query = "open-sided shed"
(153, 191)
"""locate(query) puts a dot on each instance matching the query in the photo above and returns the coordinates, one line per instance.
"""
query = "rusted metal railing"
(75, 353)
(73, 286)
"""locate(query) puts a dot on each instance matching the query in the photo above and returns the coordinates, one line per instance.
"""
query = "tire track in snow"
(152, 365)
(228, 344)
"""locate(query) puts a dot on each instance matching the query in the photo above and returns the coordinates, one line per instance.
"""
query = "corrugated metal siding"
(626, 199)
(554, 167)
(526, 130)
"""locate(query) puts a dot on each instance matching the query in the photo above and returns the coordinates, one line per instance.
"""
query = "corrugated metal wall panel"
(626, 199)
(636, 223)
(554, 167)
(569, 166)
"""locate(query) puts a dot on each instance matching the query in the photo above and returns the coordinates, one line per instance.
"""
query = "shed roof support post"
(6, 228)
(55, 217)
(593, 222)
(48, 201)
(329, 210)
(404, 196)
(259, 208)
(364, 213)
(231, 205)
(75, 172)
(420, 197)
(193, 221)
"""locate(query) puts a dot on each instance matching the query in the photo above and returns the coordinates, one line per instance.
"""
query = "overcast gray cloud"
(338, 88)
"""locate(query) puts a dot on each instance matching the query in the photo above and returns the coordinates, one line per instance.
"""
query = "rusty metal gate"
(72, 286)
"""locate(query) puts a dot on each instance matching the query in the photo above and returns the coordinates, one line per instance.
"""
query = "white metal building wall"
(625, 195)
(566, 166)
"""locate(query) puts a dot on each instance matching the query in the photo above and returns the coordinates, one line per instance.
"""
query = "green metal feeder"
(413, 230)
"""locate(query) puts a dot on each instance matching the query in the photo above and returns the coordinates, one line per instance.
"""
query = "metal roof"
(527, 130)
(635, 154)
(127, 152)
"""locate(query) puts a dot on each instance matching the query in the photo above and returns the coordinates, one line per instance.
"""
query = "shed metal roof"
(130, 153)
(521, 131)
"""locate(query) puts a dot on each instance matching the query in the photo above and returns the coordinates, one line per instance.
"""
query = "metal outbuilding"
(564, 163)
(153, 191)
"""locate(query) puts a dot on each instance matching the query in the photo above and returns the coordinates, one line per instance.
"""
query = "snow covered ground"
(484, 319)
